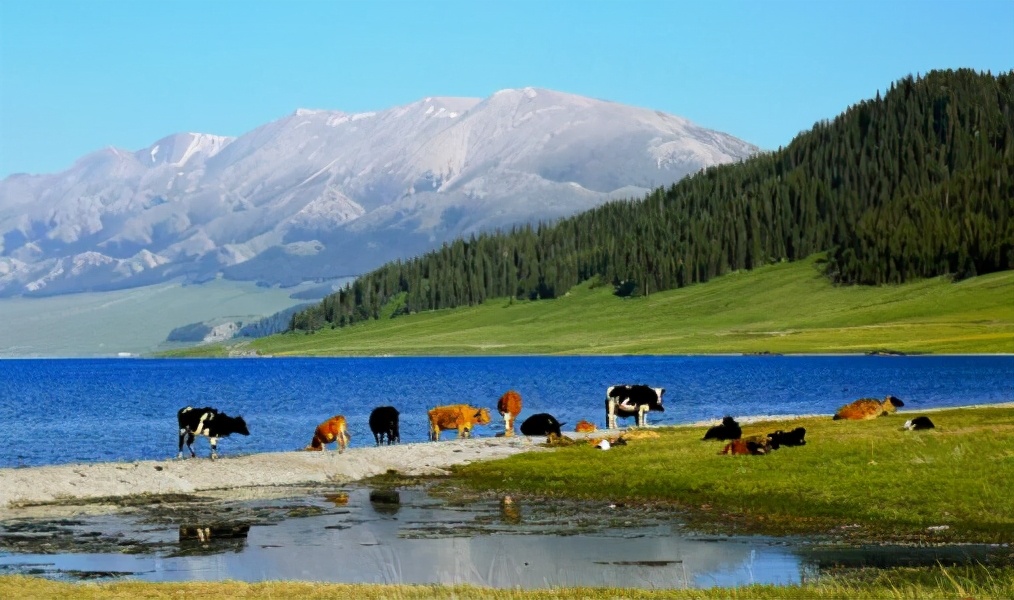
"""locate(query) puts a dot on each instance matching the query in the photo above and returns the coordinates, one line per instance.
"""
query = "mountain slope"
(321, 194)
(757, 311)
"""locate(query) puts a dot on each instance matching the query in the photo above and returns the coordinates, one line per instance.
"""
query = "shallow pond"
(363, 535)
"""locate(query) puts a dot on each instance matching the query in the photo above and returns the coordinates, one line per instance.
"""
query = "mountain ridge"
(319, 194)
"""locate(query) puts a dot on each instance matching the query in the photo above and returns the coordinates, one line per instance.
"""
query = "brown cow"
(753, 446)
(868, 408)
(456, 416)
(509, 406)
(332, 430)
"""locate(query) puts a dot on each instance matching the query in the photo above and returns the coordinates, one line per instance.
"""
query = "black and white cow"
(208, 422)
(541, 424)
(627, 401)
(384, 423)
(919, 423)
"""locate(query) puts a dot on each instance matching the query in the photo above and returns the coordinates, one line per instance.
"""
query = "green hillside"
(916, 184)
(782, 308)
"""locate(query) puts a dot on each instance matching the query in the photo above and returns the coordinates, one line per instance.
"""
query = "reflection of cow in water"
(510, 511)
(385, 502)
(213, 538)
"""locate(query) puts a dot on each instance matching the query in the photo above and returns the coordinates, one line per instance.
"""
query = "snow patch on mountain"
(324, 193)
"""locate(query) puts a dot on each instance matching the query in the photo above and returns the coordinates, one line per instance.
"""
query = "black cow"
(919, 423)
(787, 438)
(728, 430)
(627, 401)
(384, 423)
(541, 424)
(208, 422)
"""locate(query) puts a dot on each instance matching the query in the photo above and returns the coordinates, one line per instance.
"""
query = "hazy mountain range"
(321, 194)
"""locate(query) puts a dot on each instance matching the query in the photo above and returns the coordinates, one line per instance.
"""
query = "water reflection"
(510, 511)
(212, 538)
(350, 538)
(385, 502)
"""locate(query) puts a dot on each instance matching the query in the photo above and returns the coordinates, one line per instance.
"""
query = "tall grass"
(920, 583)
(783, 308)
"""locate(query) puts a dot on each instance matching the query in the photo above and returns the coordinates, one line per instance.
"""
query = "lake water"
(88, 410)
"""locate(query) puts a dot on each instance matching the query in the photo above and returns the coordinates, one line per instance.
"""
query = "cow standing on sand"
(208, 422)
(509, 407)
(627, 401)
(384, 424)
(456, 416)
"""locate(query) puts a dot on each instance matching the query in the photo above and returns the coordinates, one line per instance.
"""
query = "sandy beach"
(27, 486)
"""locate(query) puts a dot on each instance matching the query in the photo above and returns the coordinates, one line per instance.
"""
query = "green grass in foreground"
(893, 484)
(918, 583)
(784, 308)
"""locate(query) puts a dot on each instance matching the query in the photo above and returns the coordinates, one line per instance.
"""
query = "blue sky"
(79, 76)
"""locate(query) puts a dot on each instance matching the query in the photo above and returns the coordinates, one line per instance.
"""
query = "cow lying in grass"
(509, 407)
(208, 422)
(919, 423)
(868, 408)
(728, 430)
(332, 430)
(781, 438)
(456, 416)
(757, 445)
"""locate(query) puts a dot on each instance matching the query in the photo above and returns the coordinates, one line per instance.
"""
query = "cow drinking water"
(330, 431)
(627, 401)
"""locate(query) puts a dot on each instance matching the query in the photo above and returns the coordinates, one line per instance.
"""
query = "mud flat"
(24, 487)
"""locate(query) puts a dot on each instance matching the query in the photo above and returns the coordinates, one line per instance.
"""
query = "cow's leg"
(611, 413)
(642, 415)
(183, 435)
(214, 447)
(190, 444)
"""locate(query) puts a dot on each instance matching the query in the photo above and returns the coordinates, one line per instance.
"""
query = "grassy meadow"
(865, 481)
(915, 583)
(784, 308)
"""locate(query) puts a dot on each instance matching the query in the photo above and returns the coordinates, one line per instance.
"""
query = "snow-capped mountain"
(321, 194)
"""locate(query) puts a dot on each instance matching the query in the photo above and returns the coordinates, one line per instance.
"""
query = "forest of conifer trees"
(919, 183)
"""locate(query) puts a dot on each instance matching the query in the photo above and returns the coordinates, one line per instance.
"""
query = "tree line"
(917, 183)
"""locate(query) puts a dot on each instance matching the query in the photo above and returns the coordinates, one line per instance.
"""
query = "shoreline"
(35, 487)
(47, 488)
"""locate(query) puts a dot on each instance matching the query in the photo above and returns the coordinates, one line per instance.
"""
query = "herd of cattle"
(622, 401)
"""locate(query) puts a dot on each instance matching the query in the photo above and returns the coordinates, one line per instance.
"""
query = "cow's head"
(240, 425)
(892, 403)
(657, 405)
(481, 416)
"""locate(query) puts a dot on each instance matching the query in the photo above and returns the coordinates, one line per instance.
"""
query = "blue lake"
(89, 410)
